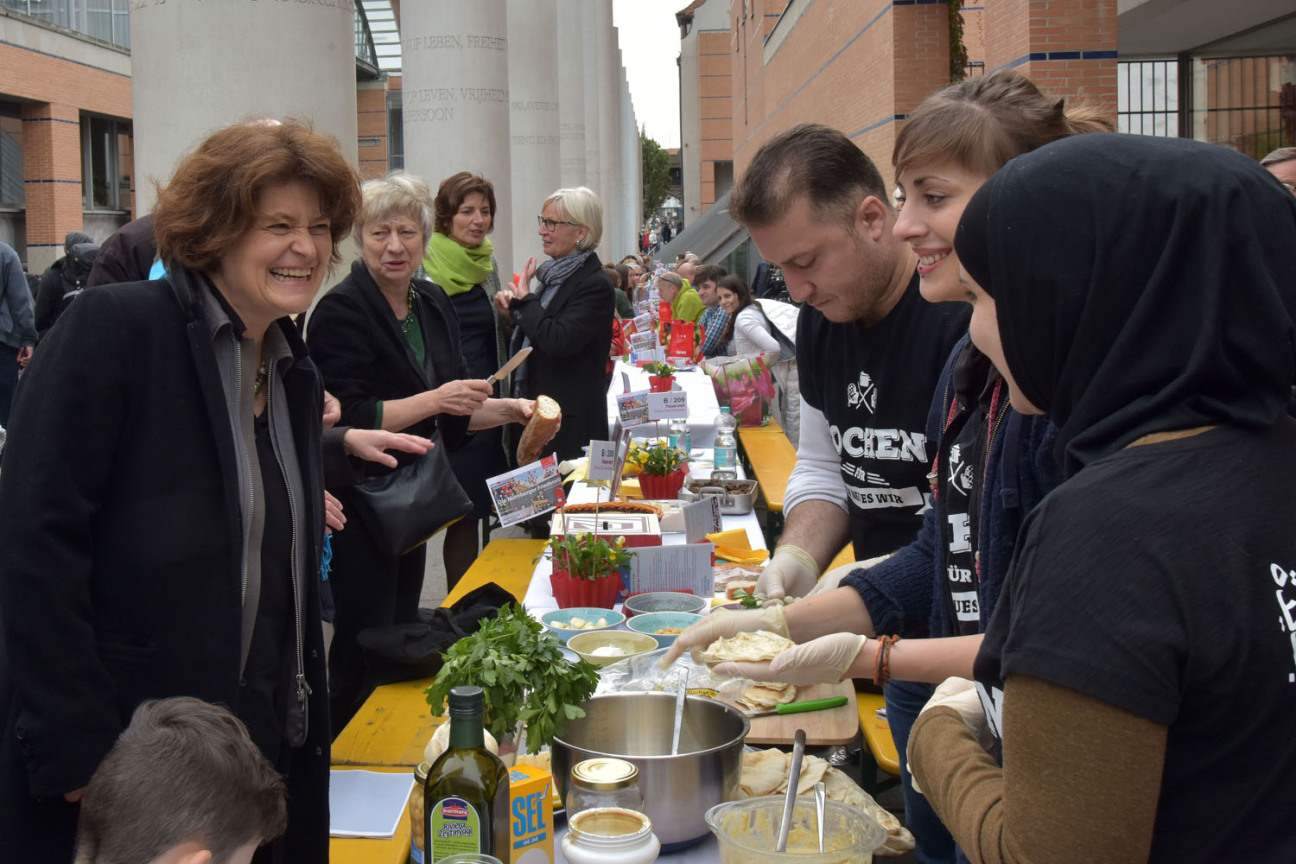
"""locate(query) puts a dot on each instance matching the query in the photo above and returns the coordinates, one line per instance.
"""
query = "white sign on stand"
(668, 406)
(673, 568)
(602, 460)
(701, 518)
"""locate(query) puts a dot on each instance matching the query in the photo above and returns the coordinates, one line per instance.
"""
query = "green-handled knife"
(799, 707)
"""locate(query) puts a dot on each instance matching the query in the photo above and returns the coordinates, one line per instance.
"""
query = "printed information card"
(526, 491)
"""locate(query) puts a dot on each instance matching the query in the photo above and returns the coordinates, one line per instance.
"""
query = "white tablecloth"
(702, 403)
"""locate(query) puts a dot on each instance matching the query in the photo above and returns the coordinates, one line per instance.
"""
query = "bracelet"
(882, 660)
(801, 555)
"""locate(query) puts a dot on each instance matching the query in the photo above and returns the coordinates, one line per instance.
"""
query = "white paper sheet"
(367, 803)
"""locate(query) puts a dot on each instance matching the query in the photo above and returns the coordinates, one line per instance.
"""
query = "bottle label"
(456, 828)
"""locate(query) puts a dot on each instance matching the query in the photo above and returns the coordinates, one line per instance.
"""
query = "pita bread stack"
(765, 772)
(752, 647)
(764, 695)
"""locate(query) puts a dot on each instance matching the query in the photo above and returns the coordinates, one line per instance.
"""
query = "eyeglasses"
(552, 224)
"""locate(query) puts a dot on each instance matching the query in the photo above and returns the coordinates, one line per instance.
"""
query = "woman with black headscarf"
(1139, 667)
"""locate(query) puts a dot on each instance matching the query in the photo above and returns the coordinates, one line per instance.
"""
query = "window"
(1247, 103)
(395, 132)
(104, 183)
(1147, 98)
(12, 192)
(108, 20)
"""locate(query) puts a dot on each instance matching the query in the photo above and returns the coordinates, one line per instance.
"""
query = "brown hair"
(183, 771)
(450, 197)
(981, 123)
(708, 273)
(624, 273)
(812, 160)
(211, 200)
(745, 299)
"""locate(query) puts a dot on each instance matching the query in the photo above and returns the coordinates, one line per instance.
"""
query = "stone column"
(198, 65)
(570, 50)
(534, 119)
(607, 49)
(629, 166)
(590, 72)
(455, 61)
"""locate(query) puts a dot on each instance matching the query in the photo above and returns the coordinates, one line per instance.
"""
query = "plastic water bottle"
(680, 437)
(726, 441)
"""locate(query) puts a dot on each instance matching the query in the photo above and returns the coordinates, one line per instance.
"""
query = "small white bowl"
(559, 620)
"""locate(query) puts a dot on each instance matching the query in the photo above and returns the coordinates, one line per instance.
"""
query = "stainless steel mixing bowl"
(678, 790)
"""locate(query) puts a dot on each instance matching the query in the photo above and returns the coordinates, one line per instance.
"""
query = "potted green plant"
(587, 569)
(661, 376)
(663, 470)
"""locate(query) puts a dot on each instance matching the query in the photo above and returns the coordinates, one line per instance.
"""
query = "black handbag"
(401, 510)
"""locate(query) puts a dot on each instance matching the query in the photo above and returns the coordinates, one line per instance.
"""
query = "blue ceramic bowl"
(650, 622)
(666, 601)
(559, 621)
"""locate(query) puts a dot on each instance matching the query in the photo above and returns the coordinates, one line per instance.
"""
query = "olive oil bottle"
(466, 797)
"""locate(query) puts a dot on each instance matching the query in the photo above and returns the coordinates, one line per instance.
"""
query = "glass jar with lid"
(603, 782)
(610, 835)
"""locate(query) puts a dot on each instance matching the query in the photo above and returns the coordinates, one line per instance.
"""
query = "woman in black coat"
(567, 319)
(388, 347)
(161, 500)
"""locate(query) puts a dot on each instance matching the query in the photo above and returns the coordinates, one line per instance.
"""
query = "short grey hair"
(673, 278)
(397, 194)
(582, 206)
(1282, 154)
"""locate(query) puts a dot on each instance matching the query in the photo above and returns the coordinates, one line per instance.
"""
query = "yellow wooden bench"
(877, 737)
(390, 730)
(769, 457)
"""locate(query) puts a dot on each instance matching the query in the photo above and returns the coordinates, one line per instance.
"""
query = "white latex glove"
(724, 623)
(825, 660)
(792, 572)
(832, 579)
(961, 695)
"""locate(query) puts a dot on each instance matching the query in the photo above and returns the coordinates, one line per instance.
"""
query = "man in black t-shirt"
(869, 351)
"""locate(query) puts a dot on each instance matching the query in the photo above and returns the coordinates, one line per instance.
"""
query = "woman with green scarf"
(458, 258)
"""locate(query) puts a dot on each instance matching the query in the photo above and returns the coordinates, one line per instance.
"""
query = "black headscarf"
(1141, 285)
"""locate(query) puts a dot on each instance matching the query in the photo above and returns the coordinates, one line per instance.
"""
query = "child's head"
(183, 783)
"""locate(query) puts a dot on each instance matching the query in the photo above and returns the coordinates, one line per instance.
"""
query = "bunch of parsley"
(521, 669)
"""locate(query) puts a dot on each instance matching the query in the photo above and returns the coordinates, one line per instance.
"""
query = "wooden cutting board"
(833, 726)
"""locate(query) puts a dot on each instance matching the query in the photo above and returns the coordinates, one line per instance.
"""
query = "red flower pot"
(661, 488)
(660, 385)
(600, 593)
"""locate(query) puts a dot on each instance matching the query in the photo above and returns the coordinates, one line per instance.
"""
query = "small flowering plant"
(659, 459)
(659, 370)
(589, 556)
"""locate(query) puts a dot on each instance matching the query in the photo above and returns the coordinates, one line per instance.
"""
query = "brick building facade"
(863, 66)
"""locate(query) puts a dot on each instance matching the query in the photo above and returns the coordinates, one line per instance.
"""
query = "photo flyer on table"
(527, 491)
(632, 408)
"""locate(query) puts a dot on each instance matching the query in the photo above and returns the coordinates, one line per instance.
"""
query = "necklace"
(410, 318)
(262, 376)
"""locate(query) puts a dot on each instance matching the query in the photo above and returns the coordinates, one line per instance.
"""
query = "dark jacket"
(358, 345)
(904, 594)
(121, 547)
(571, 338)
(127, 255)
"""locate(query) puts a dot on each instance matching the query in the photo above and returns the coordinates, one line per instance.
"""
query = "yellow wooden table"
(390, 730)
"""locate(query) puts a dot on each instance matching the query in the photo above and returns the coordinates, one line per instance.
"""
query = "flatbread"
(752, 647)
(765, 772)
(764, 695)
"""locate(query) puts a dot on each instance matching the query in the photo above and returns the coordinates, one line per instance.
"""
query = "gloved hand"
(961, 695)
(825, 660)
(832, 579)
(722, 624)
(792, 572)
